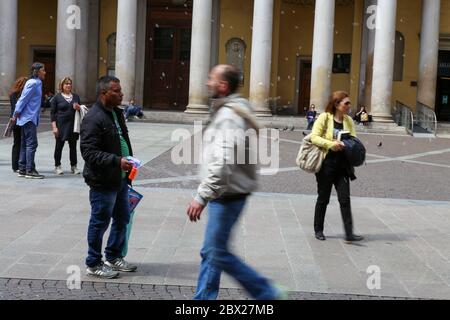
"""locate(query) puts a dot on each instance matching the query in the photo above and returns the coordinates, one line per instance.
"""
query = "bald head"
(224, 80)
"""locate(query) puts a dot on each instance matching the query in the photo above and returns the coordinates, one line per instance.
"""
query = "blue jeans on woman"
(105, 205)
(223, 215)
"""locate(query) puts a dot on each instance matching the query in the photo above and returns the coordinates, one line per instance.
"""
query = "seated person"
(362, 117)
(133, 110)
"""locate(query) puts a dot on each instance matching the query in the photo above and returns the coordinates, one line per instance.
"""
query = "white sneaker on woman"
(75, 170)
(59, 171)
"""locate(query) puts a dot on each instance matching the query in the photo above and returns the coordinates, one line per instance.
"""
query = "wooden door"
(183, 68)
(170, 66)
(163, 69)
(48, 58)
(305, 87)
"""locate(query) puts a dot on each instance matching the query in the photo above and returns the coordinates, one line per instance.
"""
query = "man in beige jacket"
(225, 187)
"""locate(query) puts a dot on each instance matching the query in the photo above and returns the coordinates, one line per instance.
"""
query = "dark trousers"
(331, 174)
(15, 154)
(73, 152)
(107, 205)
(28, 147)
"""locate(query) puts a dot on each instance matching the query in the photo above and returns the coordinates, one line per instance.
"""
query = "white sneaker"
(75, 170)
(59, 171)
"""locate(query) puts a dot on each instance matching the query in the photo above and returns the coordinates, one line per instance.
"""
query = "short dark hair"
(35, 69)
(232, 75)
(104, 83)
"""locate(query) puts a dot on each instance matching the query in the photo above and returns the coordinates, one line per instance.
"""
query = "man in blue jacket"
(26, 115)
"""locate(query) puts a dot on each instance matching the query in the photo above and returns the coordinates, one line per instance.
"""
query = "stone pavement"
(43, 230)
(20, 289)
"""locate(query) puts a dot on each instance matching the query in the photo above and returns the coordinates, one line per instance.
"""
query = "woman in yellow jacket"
(335, 169)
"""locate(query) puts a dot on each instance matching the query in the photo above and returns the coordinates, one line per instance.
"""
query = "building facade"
(292, 53)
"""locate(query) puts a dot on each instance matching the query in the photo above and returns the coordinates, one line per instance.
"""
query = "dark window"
(164, 42)
(342, 62)
(399, 56)
(185, 45)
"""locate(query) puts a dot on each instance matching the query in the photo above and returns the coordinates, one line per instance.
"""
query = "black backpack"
(355, 152)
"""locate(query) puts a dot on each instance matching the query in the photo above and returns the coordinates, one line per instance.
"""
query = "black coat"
(101, 149)
(63, 114)
(13, 98)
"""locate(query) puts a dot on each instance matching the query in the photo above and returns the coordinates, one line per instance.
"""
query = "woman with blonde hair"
(63, 108)
(335, 168)
(14, 95)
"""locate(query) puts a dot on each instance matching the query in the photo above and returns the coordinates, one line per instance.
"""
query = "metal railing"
(404, 117)
(426, 118)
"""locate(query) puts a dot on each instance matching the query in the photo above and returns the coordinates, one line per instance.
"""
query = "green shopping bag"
(135, 198)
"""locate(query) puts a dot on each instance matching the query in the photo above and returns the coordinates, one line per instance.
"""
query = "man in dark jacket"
(105, 145)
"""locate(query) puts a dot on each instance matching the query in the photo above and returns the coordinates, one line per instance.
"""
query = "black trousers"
(15, 154)
(331, 174)
(73, 151)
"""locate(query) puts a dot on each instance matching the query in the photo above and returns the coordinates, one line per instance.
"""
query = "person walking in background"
(27, 115)
(226, 187)
(105, 145)
(335, 168)
(311, 116)
(64, 105)
(14, 95)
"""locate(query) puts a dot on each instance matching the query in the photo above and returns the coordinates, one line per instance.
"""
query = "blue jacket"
(29, 104)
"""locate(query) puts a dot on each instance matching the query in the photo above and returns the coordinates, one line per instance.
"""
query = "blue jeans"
(105, 205)
(223, 215)
(133, 111)
(28, 147)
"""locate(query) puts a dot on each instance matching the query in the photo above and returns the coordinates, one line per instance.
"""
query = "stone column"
(322, 57)
(215, 33)
(200, 56)
(140, 51)
(93, 50)
(82, 52)
(66, 32)
(261, 57)
(366, 71)
(383, 64)
(8, 46)
(429, 52)
(126, 47)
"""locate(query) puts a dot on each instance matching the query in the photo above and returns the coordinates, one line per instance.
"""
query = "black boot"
(353, 238)
(320, 236)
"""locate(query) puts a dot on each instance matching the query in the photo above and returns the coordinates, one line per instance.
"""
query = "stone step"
(279, 122)
(443, 128)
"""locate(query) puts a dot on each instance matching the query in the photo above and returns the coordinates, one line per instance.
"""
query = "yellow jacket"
(322, 132)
